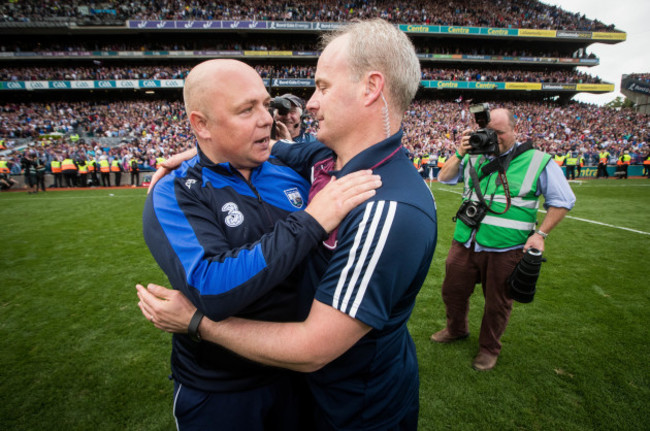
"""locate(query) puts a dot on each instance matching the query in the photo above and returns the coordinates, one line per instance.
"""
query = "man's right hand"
(170, 164)
(340, 196)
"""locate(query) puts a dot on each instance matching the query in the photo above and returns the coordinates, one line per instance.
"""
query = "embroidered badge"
(294, 197)
(234, 217)
(189, 183)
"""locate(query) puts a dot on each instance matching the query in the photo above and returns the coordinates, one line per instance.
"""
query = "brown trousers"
(464, 269)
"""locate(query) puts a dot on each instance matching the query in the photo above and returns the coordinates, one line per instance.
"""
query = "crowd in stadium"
(641, 76)
(507, 74)
(271, 44)
(431, 126)
(484, 13)
(284, 71)
(152, 129)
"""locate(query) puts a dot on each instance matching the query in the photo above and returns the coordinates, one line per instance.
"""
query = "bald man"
(487, 250)
(228, 228)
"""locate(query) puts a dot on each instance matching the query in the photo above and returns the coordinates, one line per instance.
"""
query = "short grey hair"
(378, 45)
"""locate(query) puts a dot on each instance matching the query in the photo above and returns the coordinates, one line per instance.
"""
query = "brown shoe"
(484, 361)
(444, 336)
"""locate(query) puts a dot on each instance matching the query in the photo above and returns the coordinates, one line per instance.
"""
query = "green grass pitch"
(78, 355)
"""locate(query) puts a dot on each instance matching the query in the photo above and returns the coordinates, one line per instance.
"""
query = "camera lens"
(470, 211)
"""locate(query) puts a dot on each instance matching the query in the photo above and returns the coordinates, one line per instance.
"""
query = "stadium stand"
(112, 77)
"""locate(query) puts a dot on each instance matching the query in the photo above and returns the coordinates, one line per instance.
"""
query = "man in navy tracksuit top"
(366, 275)
(226, 230)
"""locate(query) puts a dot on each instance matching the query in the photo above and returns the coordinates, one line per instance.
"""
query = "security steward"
(571, 160)
(55, 167)
(105, 170)
(623, 163)
(503, 188)
(603, 158)
(69, 171)
(116, 168)
(92, 170)
(83, 172)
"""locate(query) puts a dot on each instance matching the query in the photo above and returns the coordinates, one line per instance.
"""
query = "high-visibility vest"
(115, 166)
(91, 165)
(416, 162)
(571, 159)
(425, 160)
(2, 144)
(74, 138)
(104, 166)
(4, 167)
(603, 157)
(55, 165)
(624, 159)
(68, 165)
(441, 161)
(582, 161)
(83, 167)
(647, 161)
(159, 161)
(513, 227)
(559, 160)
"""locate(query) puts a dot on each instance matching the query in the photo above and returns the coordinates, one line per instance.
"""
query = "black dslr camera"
(283, 105)
(471, 213)
(484, 140)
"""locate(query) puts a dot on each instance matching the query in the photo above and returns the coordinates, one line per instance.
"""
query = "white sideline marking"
(577, 218)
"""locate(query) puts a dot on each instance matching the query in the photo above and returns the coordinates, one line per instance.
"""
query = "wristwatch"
(542, 234)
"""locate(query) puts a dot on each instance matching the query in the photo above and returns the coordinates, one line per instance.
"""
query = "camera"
(484, 140)
(471, 213)
(522, 281)
(283, 105)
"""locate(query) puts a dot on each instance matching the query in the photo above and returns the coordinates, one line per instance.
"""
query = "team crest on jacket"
(234, 217)
(294, 197)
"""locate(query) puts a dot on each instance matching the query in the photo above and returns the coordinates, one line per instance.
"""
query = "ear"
(374, 85)
(199, 124)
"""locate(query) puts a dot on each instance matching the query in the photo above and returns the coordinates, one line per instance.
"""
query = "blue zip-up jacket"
(231, 247)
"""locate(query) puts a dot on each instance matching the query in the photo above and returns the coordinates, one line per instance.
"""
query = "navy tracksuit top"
(203, 225)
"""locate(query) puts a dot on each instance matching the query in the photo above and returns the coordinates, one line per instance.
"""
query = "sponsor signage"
(459, 30)
(499, 31)
(595, 87)
(568, 34)
(608, 36)
(419, 28)
(536, 33)
(297, 82)
(326, 26)
(523, 85)
(284, 25)
(636, 87)
(268, 53)
(407, 28)
(558, 86)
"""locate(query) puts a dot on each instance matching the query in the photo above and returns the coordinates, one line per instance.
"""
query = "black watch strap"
(193, 328)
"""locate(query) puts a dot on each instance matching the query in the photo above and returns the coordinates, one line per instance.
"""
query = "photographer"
(489, 251)
(288, 114)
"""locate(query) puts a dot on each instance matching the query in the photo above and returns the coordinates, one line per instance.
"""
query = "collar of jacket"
(221, 168)
(374, 156)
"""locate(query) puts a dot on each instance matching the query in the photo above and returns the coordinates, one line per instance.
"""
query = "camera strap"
(498, 165)
(477, 189)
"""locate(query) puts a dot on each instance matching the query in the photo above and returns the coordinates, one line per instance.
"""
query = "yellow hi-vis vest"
(68, 165)
(104, 166)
